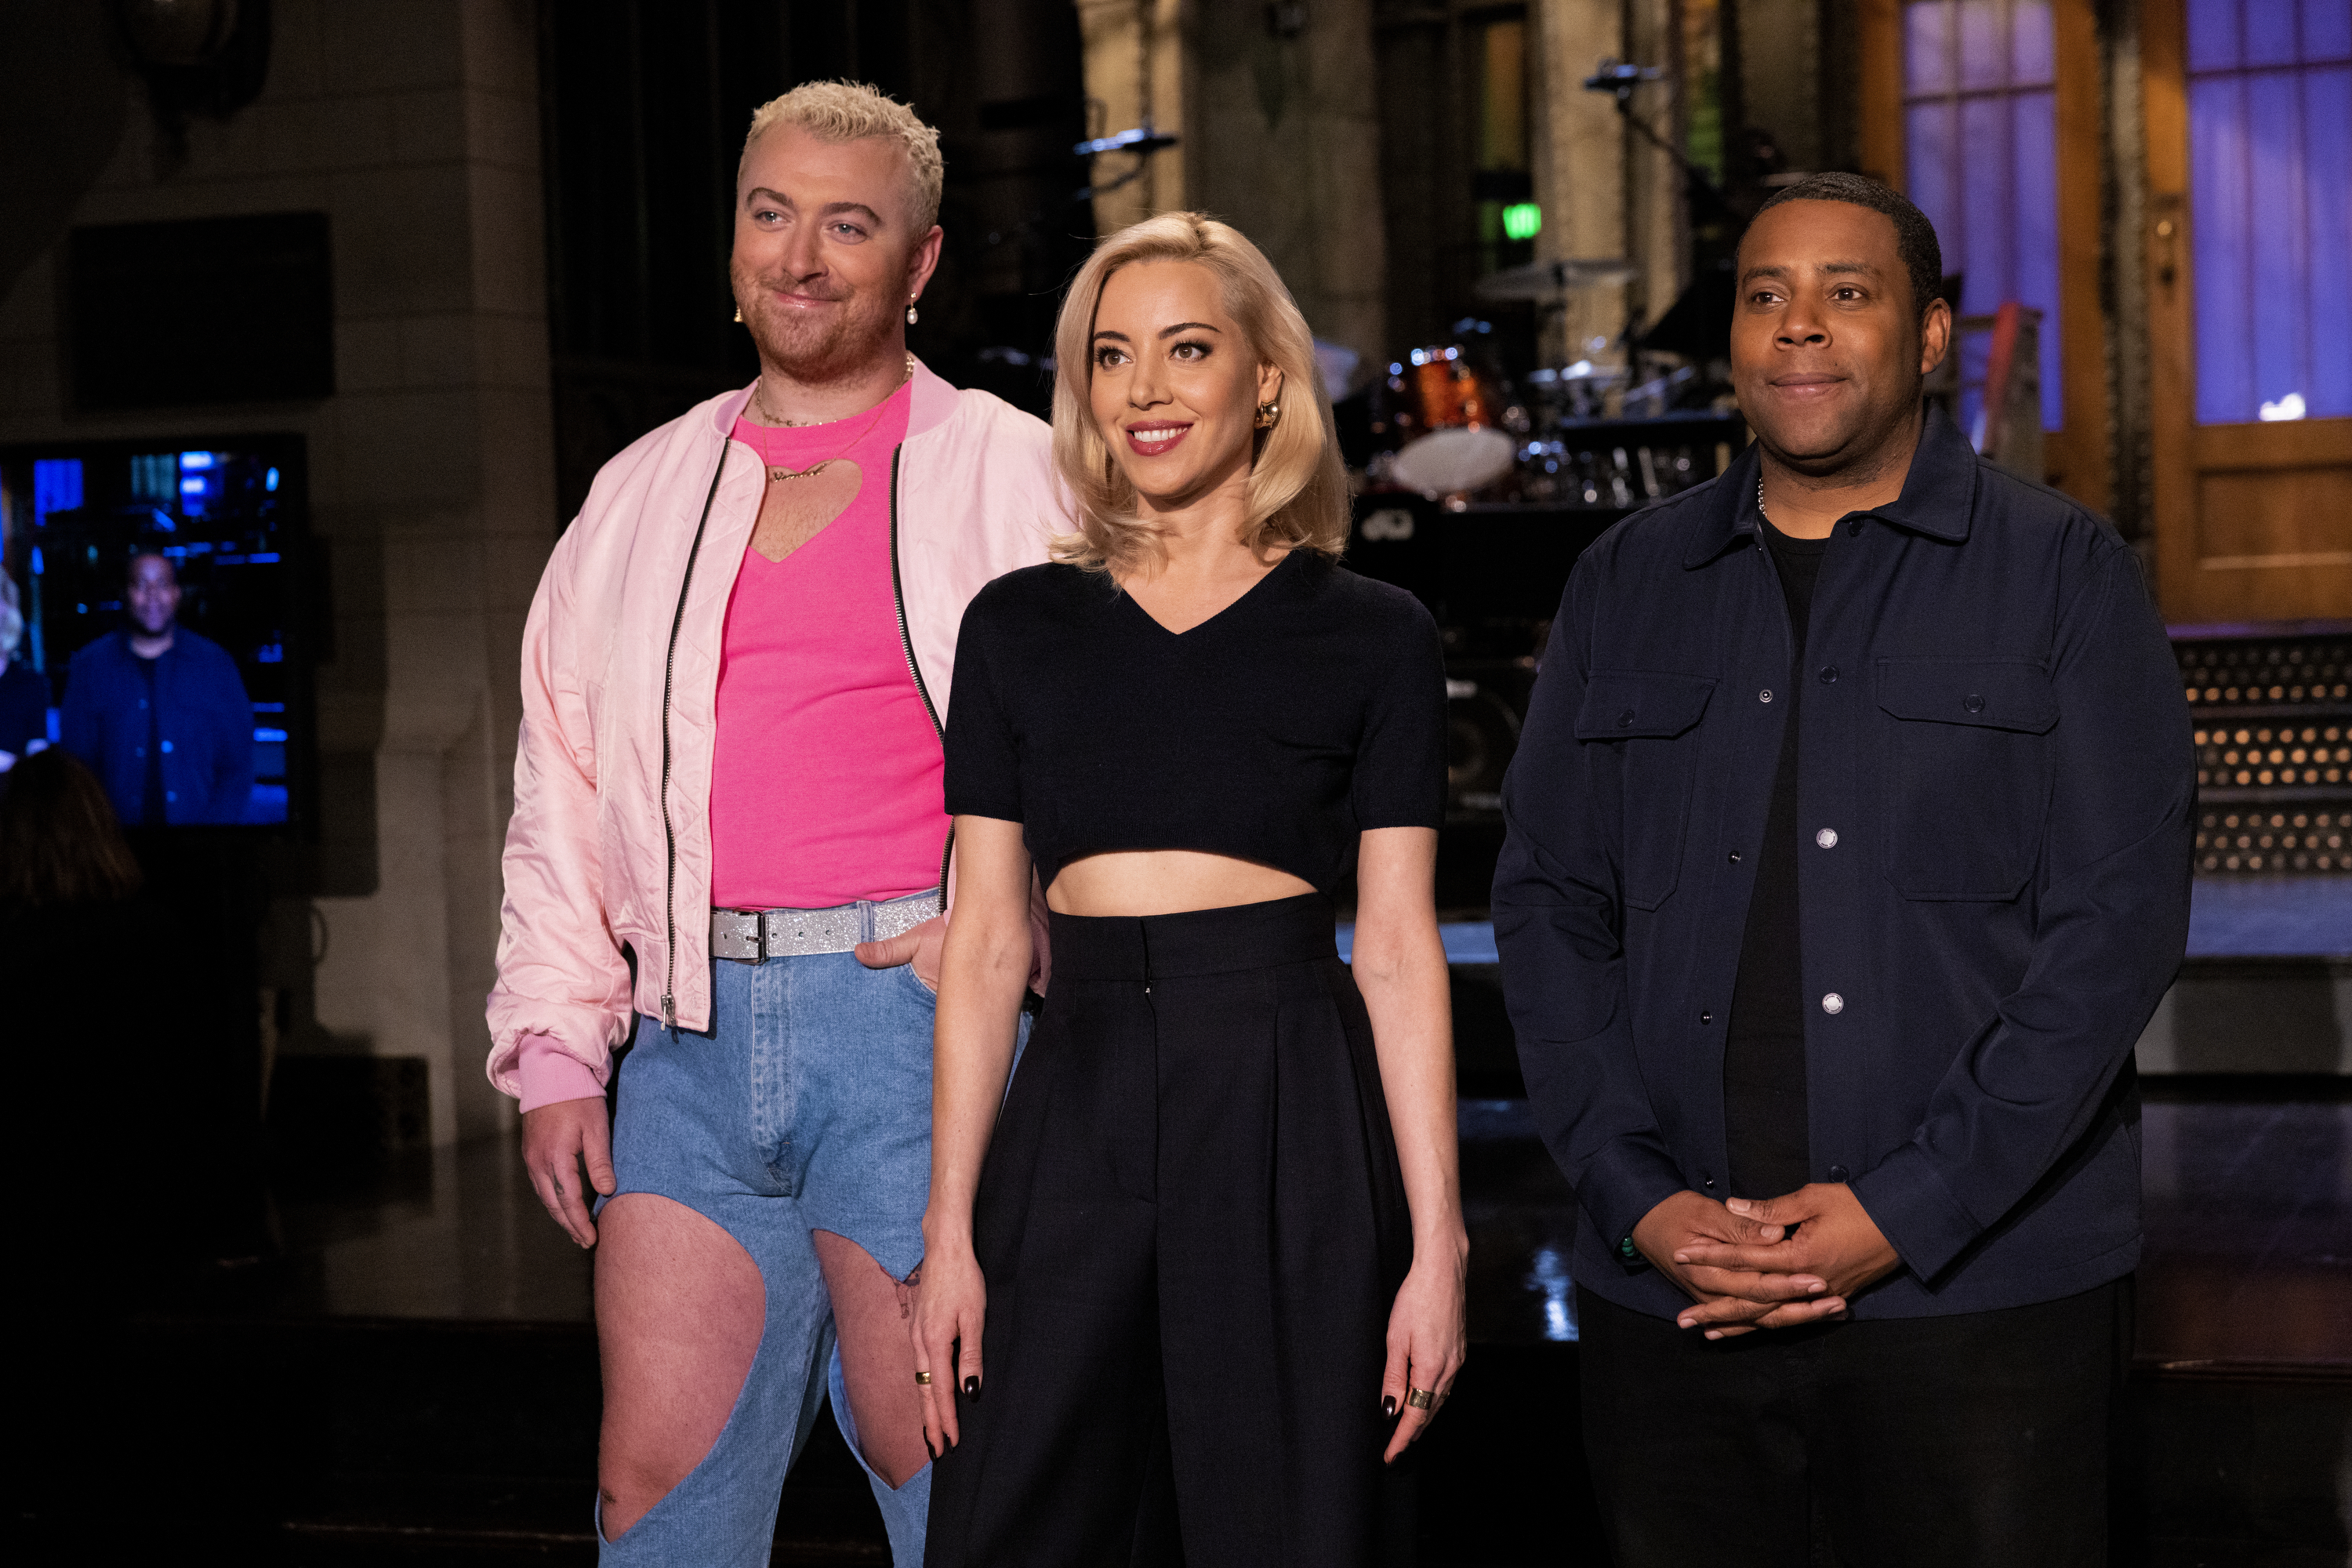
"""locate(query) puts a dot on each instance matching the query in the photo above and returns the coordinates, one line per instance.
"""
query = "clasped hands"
(1743, 1269)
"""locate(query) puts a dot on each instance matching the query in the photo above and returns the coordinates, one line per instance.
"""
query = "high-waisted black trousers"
(1192, 1229)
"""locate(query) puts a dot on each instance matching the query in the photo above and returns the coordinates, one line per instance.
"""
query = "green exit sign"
(1522, 220)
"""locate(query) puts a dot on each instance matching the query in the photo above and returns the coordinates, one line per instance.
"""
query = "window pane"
(1983, 164)
(1929, 137)
(2278, 247)
(2327, 122)
(2326, 32)
(1984, 50)
(2036, 249)
(1985, 249)
(2031, 48)
(2218, 232)
(2213, 33)
(2269, 33)
(1926, 48)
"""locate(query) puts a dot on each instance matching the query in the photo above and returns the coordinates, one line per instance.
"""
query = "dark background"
(644, 111)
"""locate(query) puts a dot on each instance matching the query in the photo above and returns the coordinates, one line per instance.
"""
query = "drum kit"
(1447, 424)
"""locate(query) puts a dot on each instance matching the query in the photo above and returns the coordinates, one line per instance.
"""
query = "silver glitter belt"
(750, 936)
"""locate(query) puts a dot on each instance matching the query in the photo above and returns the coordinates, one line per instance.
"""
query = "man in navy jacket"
(1848, 855)
(159, 713)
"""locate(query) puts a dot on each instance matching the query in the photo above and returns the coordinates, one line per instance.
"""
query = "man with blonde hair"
(729, 849)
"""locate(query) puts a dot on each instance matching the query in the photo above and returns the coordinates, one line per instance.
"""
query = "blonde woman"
(1204, 1271)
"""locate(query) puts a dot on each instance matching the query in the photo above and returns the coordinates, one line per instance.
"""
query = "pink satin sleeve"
(550, 1073)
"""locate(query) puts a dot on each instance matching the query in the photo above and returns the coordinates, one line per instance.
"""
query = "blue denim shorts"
(807, 1106)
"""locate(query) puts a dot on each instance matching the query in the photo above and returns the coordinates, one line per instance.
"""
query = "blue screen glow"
(57, 487)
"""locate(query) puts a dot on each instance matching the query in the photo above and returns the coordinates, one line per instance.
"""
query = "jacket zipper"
(906, 647)
(669, 832)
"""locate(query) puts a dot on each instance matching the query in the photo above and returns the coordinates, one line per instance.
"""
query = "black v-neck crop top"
(1307, 711)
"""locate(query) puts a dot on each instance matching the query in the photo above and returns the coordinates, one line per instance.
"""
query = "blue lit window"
(1980, 129)
(2270, 137)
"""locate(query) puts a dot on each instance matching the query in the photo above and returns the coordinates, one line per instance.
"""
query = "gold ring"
(1420, 1398)
(922, 1380)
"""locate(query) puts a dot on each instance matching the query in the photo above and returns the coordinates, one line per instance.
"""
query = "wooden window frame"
(2076, 454)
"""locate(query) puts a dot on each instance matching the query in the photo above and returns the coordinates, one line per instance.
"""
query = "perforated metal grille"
(2273, 737)
(2264, 671)
(2257, 754)
(2273, 840)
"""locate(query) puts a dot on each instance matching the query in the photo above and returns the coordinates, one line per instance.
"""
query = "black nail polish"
(1388, 1406)
(972, 1388)
(934, 1452)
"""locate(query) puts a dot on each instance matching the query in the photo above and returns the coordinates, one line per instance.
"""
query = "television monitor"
(228, 514)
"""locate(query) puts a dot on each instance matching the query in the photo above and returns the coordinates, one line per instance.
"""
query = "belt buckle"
(747, 925)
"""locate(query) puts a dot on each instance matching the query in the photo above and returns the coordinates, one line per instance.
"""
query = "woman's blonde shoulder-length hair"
(1298, 486)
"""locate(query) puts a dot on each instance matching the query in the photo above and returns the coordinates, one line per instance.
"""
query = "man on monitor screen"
(159, 713)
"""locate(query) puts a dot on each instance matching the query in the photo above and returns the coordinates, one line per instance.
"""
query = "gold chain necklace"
(760, 398)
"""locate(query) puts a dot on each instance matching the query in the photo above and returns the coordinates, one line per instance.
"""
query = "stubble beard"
(843, 343)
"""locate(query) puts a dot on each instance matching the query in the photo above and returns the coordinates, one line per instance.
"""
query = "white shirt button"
(1832, 1003)
(1826, 838)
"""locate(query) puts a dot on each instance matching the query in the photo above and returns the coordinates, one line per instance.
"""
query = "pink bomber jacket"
(609, 841)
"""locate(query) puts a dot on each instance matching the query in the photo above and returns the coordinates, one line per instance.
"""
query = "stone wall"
(414, 126)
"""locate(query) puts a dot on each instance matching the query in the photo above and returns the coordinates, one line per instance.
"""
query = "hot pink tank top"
(825, 782)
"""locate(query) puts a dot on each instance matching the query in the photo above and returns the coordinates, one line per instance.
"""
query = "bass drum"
(1437, 389)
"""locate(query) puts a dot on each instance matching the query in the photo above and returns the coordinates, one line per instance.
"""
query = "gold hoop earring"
(1267, 413)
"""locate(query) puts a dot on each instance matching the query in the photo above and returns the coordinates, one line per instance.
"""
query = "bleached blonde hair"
(851, 111)
(1297, 485)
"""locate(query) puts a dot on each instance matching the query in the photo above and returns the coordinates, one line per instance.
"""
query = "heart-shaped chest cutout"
(798, 505)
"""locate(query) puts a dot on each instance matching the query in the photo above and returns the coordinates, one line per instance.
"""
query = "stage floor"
(2249, 1195)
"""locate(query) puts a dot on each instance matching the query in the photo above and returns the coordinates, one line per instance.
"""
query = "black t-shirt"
(150, 788)
(1766, 1129)
(1310, 710)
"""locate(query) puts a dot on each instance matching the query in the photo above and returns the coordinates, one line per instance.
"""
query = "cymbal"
(1551, 279)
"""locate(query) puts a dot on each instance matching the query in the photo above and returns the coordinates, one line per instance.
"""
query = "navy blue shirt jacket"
(207, 725)
(1995, 784)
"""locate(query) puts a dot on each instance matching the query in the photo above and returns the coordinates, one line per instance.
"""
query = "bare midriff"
(1133, 882)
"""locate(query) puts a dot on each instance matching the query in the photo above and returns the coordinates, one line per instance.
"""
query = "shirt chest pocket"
(1966, 769)
(1647, 723)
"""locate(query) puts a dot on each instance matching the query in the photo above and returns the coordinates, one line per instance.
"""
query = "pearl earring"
(738, 312)
(912, 316)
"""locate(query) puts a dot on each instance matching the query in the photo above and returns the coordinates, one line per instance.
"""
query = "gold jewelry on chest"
(779, 475)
